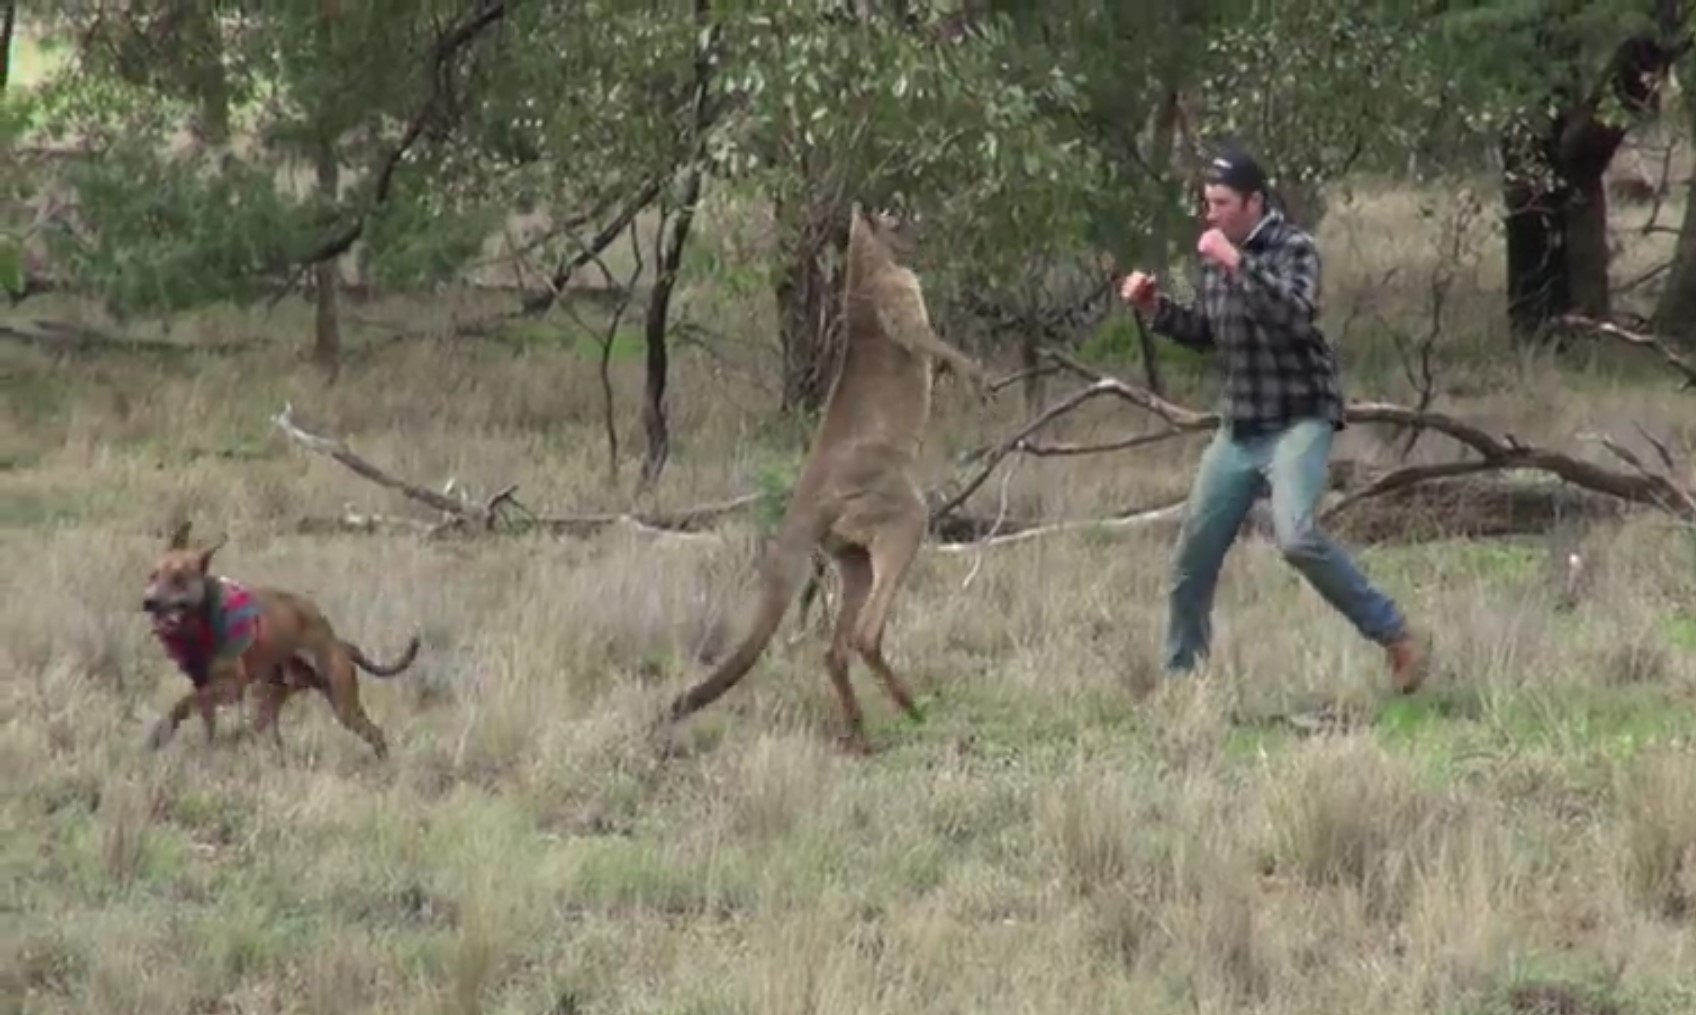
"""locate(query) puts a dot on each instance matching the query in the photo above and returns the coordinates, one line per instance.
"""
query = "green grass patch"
(1617, 722)
(1501, 561)
(1681, 632)
(50, 508)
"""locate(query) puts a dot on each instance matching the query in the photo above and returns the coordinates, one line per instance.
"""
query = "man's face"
(1230, 212)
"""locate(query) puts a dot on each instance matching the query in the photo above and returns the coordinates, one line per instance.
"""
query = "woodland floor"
(1520, 837)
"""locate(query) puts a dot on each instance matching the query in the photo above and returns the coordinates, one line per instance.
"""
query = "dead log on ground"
(502, 512)
(1481, 496)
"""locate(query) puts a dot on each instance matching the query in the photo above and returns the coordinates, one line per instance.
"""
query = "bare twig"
(1138, 520)
(993, 457)
(1660, 345)
(1071, 449)
(1000, 517)
(626, 293)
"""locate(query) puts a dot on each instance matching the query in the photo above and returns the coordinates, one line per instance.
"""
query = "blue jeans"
(1294, 462)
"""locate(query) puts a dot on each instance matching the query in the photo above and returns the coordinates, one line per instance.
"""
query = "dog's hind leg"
(341, 686)
(272, 694)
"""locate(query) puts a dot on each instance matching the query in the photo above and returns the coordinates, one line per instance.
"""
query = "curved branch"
(446, 50)
(462, 514)
(1651, 489)
(1678, 362)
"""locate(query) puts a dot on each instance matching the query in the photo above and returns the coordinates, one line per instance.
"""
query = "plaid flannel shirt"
(1277, 364)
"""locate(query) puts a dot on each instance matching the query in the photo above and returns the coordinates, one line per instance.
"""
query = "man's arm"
(1282, 285)
(1186, 326)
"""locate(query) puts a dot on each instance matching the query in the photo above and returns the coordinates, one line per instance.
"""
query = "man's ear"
(206, 554)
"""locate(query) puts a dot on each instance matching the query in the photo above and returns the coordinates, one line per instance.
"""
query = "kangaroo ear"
(179, 535)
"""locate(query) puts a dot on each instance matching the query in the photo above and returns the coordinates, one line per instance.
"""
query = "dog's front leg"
(224, 686)
(273, 693)
(221, 683)
(167, 725)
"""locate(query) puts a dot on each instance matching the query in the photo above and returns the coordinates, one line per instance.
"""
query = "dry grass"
(1522, 838)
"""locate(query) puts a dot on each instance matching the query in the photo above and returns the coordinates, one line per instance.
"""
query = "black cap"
(1234, 167)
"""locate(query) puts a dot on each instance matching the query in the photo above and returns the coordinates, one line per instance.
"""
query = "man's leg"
(1297, 472)
(1220, 496)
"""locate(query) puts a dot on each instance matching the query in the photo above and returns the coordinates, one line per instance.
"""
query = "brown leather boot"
(1407, 664)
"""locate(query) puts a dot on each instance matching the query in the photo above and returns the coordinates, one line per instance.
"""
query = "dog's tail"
(378, 669)
(782, 567)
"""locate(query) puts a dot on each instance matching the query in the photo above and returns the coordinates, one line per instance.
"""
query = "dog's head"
(177, 584)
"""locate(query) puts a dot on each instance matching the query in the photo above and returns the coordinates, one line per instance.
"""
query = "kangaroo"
(857, 498)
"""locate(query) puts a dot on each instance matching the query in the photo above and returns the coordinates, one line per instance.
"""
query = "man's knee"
(1300, 541)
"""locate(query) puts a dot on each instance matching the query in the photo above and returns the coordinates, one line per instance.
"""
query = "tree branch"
(1651, 489)
(541, 302)
(446, 50)
(1678, 362)
(993, 457)
(462, 514)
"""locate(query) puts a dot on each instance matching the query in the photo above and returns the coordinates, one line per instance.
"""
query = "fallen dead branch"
(1021, 441)
(1674, 359)
(1143, 519)
(1484, 485)
(1652, 488)
(502, 512)
(61, 337)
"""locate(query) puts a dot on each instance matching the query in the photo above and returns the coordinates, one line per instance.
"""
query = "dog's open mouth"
(168, 617)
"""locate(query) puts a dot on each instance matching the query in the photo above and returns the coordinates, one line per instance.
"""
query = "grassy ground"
(1519, 838)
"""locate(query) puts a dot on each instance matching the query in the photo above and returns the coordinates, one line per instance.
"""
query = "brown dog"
(225, 637)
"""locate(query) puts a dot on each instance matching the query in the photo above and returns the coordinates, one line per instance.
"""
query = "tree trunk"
(8, 26)
(327, 331)
(1539, 276)
(1553, 169)
(203, 45)
(654, 423)
(808, 311)
(1588, 256)
(1675, 312)
(659, 308)
(1030, 363)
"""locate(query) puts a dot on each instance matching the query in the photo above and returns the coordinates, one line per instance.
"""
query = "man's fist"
(1140, 290)
(1216, 248)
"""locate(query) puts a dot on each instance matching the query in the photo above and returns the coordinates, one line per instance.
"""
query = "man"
(1281, 406)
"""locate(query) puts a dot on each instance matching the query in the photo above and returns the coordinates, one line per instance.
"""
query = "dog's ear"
(206, 554)
(179, 535)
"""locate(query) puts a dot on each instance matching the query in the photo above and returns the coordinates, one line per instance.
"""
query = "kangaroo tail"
(782, 567)
(378, 669)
